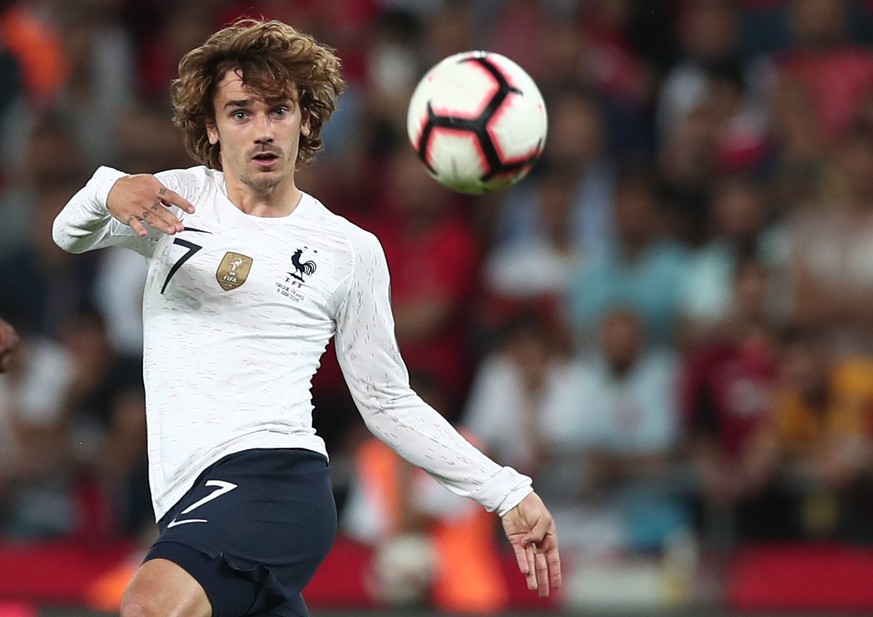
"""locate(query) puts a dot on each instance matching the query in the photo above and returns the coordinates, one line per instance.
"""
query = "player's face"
(259, 139)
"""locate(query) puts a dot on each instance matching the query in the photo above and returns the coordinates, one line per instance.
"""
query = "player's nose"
(263, 128)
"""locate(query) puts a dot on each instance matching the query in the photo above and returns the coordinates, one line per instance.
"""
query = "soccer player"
(249, 278)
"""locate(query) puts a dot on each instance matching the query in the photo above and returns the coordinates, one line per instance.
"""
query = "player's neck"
(268, 201)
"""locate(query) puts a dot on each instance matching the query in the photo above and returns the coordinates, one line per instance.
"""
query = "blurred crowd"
(668, 324)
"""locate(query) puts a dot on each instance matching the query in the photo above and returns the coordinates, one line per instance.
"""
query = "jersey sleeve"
(377, 378)
(85, 223)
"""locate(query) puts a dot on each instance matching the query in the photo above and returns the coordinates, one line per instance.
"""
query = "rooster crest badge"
(302, 268)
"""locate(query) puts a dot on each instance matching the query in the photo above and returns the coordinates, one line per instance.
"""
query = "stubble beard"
(262, 183)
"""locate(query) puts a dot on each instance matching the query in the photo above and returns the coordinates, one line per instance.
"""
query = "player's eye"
(239, 115)
(280, 111)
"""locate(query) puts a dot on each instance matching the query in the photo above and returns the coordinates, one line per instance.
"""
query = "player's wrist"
(102, 183)
(503, 491)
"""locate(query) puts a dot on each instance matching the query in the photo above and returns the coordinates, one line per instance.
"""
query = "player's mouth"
(265, 159)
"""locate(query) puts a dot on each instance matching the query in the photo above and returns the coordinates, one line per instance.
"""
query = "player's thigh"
(161, 588)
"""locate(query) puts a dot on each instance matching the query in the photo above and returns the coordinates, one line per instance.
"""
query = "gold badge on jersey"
(233, 270)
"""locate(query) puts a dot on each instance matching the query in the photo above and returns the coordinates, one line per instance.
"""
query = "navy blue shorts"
(252, 530)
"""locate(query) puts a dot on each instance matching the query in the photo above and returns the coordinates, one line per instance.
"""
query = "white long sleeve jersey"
(237, 312)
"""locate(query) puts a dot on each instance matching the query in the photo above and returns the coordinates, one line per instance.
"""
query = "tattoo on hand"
(145, 215)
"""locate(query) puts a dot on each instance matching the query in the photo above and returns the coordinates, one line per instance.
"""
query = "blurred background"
(668, 324)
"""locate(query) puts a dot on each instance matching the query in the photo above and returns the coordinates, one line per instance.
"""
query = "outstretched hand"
(141, 199)
(531, 532)
(8, 341)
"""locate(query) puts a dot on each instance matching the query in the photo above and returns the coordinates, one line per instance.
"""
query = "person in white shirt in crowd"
(249, 278)
(36, 498)
(627, 432)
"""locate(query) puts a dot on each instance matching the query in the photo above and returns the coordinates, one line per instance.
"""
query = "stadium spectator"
(727, 388)
(643, 271)
(797, 170)
(540, 264)
(577, 142)
(828, 252)
(522, 398)
(686, 167)
(709, 43)
(50, 154)
(626, 430)
(533, 273)
(37, 496)
(739, 237)
(45, 286)
(817, 447)
(100, 85)
(822, 56)
(104, 408)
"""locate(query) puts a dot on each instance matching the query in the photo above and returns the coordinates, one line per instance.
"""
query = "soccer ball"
(477, 121)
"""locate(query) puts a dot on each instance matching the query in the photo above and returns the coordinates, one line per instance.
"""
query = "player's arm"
(116, 209)
(377, 378)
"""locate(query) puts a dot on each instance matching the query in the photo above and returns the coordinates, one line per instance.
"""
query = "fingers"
(141, 201)
(135, 224)
(543, 559)
(171, 198)
(532, 534)
(521, 558)
(162, 219)
(542, 572)
(531, 577)
(553, 560)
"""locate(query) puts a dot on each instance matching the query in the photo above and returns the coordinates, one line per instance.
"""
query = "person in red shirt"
(728, 380)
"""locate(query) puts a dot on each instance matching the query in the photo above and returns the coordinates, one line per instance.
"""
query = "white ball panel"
(455, 158)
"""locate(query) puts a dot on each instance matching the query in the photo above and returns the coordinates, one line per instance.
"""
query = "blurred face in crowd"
(259, 139)
(804, 368)
(686, 157)
(53, 153)
(557, 190)
(738, 208)
(818, 24)
(530, 352)
(622, 340)
(794, 124)
(635, 213)
(751, 283)
(562, 46)
(412, 191)
(857, 167)
(709, 28)
(575, 130)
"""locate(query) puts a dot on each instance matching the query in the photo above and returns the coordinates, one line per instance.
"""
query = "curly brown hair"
(273, 59)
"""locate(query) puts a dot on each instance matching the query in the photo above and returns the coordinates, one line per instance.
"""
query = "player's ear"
(212, 132)
(305, 129)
